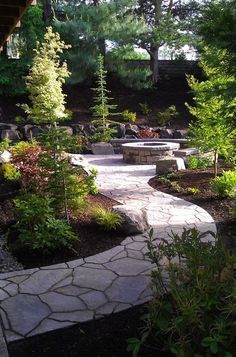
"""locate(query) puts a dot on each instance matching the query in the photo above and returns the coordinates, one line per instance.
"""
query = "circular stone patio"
(35, 301)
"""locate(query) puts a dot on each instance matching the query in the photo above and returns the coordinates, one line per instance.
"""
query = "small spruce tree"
(214, 128)
(102, 110)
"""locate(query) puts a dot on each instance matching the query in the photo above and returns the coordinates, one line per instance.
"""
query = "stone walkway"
(39, 300)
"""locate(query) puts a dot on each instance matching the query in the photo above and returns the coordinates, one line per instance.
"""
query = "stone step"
(185, 152)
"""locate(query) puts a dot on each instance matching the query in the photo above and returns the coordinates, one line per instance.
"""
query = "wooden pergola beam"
(11, 12)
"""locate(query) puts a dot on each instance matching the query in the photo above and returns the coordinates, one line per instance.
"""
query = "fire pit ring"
(147, 153)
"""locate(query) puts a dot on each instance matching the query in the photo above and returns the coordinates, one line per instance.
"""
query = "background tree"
(217, 27)
(45, 80)
(32, 30)
(165, 25)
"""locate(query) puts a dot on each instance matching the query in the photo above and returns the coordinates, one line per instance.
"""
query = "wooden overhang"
(11, 12)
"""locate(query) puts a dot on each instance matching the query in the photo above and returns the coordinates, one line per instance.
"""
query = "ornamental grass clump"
(107, 218)
(193, 309)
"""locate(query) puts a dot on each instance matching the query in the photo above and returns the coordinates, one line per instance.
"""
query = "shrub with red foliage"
(25, 157)
(147, 133)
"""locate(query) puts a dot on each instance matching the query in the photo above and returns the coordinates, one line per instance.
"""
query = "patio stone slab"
(25, 312)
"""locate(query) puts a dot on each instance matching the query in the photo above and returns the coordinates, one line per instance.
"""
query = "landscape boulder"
(32, 131)
(134, 219)
(119, 130)
(169, 164)
(131, 130)
(166, 133)
(102, 149)
(5, 156)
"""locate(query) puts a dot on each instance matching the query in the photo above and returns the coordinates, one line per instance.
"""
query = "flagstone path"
(38, 300)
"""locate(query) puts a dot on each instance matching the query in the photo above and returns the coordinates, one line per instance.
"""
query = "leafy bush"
(225, 185)
(102, 135)
(37, 226)
(165, 117)
(10, 172)
(194, 306)
(144, 108)
(25, 157)
(128, 116)
(195, 162)
(4, 145)
(79, 142)
(192, 190)
(107, 218)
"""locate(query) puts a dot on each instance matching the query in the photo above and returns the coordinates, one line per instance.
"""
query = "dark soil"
(80, 100)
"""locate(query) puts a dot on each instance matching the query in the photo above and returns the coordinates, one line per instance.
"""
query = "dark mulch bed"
(218, 207)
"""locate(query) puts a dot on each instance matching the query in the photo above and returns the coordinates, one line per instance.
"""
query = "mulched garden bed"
(218, 207)
(93, 239)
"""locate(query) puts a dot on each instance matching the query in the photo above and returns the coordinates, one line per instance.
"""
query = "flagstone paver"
(34, 301)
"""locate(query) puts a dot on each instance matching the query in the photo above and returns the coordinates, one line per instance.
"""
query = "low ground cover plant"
(194, 308)
(128, 116)
(225, 184)
(164, 118)
(144, 108)
(200, 162)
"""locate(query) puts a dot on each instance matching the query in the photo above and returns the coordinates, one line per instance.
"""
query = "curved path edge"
(35, 301)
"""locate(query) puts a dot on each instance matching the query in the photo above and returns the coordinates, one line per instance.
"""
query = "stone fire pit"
(147, 153)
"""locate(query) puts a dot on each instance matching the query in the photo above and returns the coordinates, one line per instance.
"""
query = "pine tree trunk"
(155, 65)
(215, 163)
(47, 10)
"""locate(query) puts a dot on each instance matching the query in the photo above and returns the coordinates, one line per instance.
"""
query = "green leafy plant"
(107, 218)
(172, 175)
(165, 117)
(128, 116)
(225, 185)
(164, 180)
(192, 190)
(4, 145)
(9, 172)
(192, 312)
(176, 187)
(37, 226)
(144, 108)
(201, 162)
